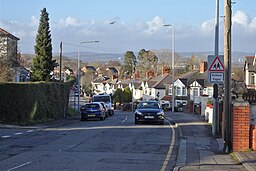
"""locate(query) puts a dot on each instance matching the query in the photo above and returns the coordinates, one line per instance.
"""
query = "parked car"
(149, 111)
(105, 108)
(106, 98)
(92, 111)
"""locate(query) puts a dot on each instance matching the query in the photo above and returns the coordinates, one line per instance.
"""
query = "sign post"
(216, 76)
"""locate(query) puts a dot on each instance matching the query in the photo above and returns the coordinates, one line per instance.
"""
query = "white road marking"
(124, 119)
(168, 155)
(18, 133)
(16, 167)
(30, 130)
(6, 136)
(71, 146)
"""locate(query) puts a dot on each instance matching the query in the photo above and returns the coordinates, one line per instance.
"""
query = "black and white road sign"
(216, 68)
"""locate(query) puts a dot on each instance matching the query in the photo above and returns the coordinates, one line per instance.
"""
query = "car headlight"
(138, 112)
(160, 113)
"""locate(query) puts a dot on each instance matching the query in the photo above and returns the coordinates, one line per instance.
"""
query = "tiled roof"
(160, 81)
(112, 69)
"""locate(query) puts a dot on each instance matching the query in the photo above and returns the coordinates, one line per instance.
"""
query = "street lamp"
(173, 38)
(78, 69)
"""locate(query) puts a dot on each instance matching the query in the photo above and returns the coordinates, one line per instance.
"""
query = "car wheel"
(83, 118)
(102, 118)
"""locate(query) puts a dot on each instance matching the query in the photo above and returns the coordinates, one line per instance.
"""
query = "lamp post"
(78, 69)
(173, 39)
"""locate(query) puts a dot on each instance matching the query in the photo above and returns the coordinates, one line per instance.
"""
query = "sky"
(138, 24)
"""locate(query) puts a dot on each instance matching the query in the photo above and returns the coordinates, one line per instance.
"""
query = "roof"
(90, 68)
(190, 77)
(160, 81)
(7, 34)
(184, 81)
(112, 69)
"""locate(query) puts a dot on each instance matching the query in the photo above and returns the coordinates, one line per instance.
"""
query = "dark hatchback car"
(92, 111)
(149, 111)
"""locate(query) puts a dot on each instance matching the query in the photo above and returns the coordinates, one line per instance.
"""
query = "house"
(250, 72)
(8, 55)
(88, 69)
(100, 84)
(190, 86)
(68, 71)
(112, 72)
(154, 88)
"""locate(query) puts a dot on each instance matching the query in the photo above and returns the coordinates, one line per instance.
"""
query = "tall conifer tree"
(43, 64)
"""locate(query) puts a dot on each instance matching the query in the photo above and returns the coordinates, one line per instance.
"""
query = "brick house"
(8, 55)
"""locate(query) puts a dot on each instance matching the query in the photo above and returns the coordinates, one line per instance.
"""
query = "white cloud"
(208, 26)
(34, 21)
(123, 36)
(240, 18)
(154, 25)
(252, 25)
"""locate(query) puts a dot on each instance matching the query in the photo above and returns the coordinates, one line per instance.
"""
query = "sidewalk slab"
(203, 150)
(248, 159)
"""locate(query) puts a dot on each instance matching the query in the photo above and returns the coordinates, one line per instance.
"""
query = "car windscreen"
(148, 105)
(101, 99)
(93, 106)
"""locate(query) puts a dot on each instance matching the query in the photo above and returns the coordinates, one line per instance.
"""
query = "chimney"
(166, 70)
(203, 67)
(137, 75)
(150, 73)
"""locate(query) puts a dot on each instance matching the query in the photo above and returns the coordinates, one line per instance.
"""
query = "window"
(195, 92)
(178, 91)
(170, 90)
(252, 78)
(184, 93)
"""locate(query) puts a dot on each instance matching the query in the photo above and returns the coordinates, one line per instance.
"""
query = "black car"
(92, 110)
(149, 111)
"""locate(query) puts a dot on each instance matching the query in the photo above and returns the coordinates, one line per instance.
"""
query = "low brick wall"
(241, 126)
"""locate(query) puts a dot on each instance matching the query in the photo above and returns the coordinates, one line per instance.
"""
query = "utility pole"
(60, 59)
(227, 77)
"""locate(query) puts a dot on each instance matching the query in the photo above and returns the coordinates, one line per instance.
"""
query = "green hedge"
(34, 101)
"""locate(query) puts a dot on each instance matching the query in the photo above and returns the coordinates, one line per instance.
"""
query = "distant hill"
(237, 57)
(95, 57)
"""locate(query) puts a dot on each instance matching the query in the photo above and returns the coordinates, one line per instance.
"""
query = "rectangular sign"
(216, 77)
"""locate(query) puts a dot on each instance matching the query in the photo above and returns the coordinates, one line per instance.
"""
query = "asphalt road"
(114, 144)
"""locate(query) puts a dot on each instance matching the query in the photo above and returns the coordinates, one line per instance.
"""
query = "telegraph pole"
(227, 79)
(60, 59)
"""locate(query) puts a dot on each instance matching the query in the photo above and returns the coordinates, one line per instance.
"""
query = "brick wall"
(253, 137)
(241, 126)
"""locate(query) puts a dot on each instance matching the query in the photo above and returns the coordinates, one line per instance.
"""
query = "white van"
(106, 98)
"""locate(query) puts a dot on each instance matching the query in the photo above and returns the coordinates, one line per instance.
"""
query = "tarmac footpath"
(198, 148)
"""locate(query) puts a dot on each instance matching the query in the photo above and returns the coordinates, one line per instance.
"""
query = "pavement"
(200, 150)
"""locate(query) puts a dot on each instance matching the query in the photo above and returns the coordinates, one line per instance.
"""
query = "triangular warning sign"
(216, 65)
